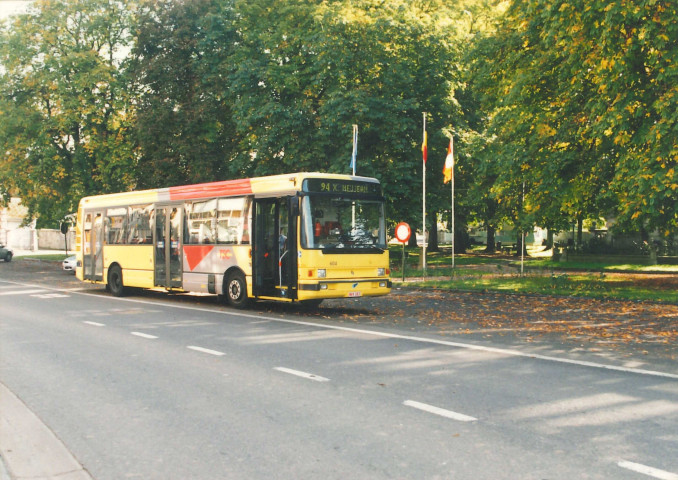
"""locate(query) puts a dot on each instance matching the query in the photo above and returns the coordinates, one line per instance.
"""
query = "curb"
(29, 449)
(4, 474)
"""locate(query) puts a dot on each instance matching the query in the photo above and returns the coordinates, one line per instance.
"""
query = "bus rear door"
(93, 244)
(167, 241)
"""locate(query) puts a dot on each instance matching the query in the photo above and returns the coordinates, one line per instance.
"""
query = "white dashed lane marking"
(23, 292)
(308, 376)
(439, 411)
(50, 295)
(206, 350)
(144, 335)
(649, 471)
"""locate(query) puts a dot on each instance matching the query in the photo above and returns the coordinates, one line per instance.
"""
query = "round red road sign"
(403, 232)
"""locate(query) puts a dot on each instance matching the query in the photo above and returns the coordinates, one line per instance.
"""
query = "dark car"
(6, 254)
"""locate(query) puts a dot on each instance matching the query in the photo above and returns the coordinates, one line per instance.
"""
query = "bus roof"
(274, 185)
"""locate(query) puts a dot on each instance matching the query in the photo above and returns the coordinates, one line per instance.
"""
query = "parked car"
(69, 264)
(6, 254)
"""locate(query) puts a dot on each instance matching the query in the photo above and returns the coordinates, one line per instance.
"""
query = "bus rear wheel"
(235, 290)
(115, 284)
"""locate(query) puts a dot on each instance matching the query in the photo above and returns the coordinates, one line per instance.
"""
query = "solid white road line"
(649, 471)
(206, 350)
(95, 324)
(144, 335)
(308, 376)
(431, 341)
(439, 411)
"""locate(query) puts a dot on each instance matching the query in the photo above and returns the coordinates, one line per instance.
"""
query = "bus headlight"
(381, 272)
(322, 273)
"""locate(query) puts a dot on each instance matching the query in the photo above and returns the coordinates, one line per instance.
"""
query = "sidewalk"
(29, 449)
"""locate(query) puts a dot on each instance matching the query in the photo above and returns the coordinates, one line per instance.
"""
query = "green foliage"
(64, 105)
(583, 110)
(575, 99)
(305, 72)
(185, 128)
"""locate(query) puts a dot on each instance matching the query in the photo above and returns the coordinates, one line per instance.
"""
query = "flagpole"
(354, 158)
(355, 148)
(424, 151)
(522, 233)
(452, 182)
(448, 176)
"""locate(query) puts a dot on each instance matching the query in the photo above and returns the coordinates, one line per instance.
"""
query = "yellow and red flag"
(424, 147)
(448, 169)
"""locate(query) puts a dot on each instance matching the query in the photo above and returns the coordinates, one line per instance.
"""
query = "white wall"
(54, 239)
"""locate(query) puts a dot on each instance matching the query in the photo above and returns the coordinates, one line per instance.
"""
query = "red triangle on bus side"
(196, 253)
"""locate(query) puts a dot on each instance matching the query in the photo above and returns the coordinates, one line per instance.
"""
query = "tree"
(584, 111)
(65, 105)
(184, 126)
(628, 53)
(305, 72)
(481, 150)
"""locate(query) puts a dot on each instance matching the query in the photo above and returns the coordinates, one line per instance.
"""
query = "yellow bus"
(301, 237)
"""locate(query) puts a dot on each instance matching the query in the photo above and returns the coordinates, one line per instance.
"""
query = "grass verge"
(543, 277)
(57, 257)
(578, 285)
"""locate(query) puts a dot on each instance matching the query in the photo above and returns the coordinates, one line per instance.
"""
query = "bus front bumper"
(345, 288)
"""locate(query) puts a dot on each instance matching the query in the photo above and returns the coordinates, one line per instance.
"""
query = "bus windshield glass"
(342, 225)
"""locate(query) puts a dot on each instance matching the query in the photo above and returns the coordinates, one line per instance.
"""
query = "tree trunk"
(412, 242)
(491, 243)
(433, 240)
(549, 239)
(521, 245)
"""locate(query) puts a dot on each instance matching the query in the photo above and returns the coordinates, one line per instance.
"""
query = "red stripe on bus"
(212, 189)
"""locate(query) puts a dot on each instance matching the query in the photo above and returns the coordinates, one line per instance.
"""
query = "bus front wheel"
(236, 290)
(115, 281)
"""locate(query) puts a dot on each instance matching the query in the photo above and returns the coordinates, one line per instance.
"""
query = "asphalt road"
(159, 386)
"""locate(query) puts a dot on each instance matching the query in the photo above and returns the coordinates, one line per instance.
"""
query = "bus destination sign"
(339, 187)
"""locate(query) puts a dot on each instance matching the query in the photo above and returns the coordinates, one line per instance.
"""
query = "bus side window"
(246, 221)
(88, 233)
(139, 228)
(231, 214)
(116, 225)
(201, 218)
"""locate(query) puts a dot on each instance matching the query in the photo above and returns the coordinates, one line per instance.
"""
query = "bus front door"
(93, 245)
(168, 261)
(274, 252)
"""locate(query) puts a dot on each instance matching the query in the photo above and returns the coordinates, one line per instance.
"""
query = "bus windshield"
(342, 225)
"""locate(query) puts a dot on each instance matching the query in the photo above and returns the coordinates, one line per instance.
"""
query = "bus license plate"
(355, 294)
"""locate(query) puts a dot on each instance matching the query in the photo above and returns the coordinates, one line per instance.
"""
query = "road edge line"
(468, 346)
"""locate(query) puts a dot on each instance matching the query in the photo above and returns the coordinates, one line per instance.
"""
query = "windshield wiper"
(341, 248)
